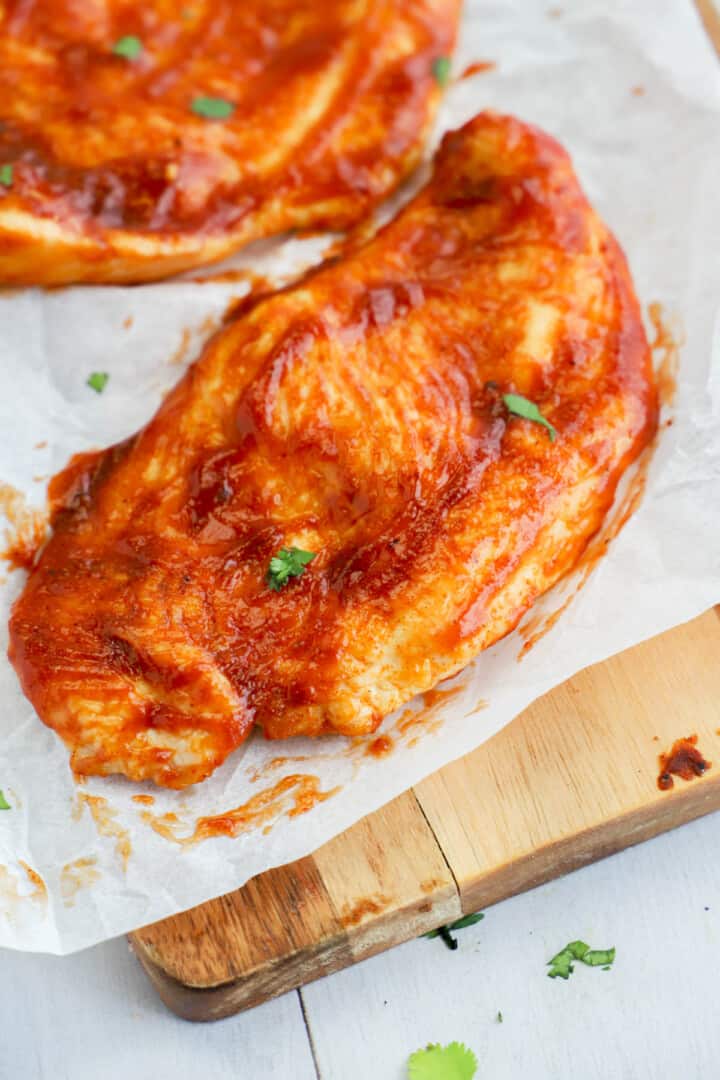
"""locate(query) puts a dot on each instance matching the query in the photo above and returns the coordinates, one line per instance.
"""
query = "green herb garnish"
(599, 958)
(4, 804)
(528, 410)
(435, 1062)
(562, 963)
(6, 175)
(288, 563)
(459, 924)
(212, 108)
(499, 1017)
(98, 381)
(441, 70)
(129, 47)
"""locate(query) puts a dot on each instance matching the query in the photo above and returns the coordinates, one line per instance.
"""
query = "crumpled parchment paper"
(633, 91)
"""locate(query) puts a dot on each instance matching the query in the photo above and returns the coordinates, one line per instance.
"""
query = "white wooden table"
(654, 1016)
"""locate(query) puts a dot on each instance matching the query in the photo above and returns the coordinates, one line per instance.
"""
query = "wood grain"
(574, 778)
(570, 780)
(710, 14)
(382, 881)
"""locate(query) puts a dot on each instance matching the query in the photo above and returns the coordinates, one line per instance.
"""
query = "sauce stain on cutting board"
(352, 914)
(685, 760)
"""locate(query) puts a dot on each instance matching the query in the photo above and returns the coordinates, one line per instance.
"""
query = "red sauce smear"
(302, 789)
(683, 760)
(104, 817)
(426, 717)
(477, 68)
(665, 347)
(35, 880)
(380, 747)
(258, 282)
(439, 695)
(27, 531)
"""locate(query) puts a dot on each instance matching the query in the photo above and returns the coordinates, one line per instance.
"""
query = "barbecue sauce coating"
(116, 177)
(357, 415)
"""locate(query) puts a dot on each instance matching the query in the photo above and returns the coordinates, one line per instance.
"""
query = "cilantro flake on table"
(435, 1062)
(4, 804)
(562, 964)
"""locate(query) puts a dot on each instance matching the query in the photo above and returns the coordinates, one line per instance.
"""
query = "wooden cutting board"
(572, 779)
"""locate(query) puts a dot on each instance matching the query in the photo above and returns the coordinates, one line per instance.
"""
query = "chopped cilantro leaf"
(562, 963)
(459, 924)
(6, 175)
(288, 563)
(528, 410)
(599, 957)
(212, 108)
(467, 920)
(128, 47)
(435, 1062)
(441, 70)
(578, 949)
(4, 804)
(98, 381)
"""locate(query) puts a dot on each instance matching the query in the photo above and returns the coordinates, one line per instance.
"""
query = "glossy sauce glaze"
(330, 103)
(359, 415)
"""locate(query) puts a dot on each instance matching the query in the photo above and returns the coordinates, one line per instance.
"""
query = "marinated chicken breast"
(141, 139)
(360, 415)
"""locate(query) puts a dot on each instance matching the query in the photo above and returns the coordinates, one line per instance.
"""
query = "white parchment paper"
(633, 91)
